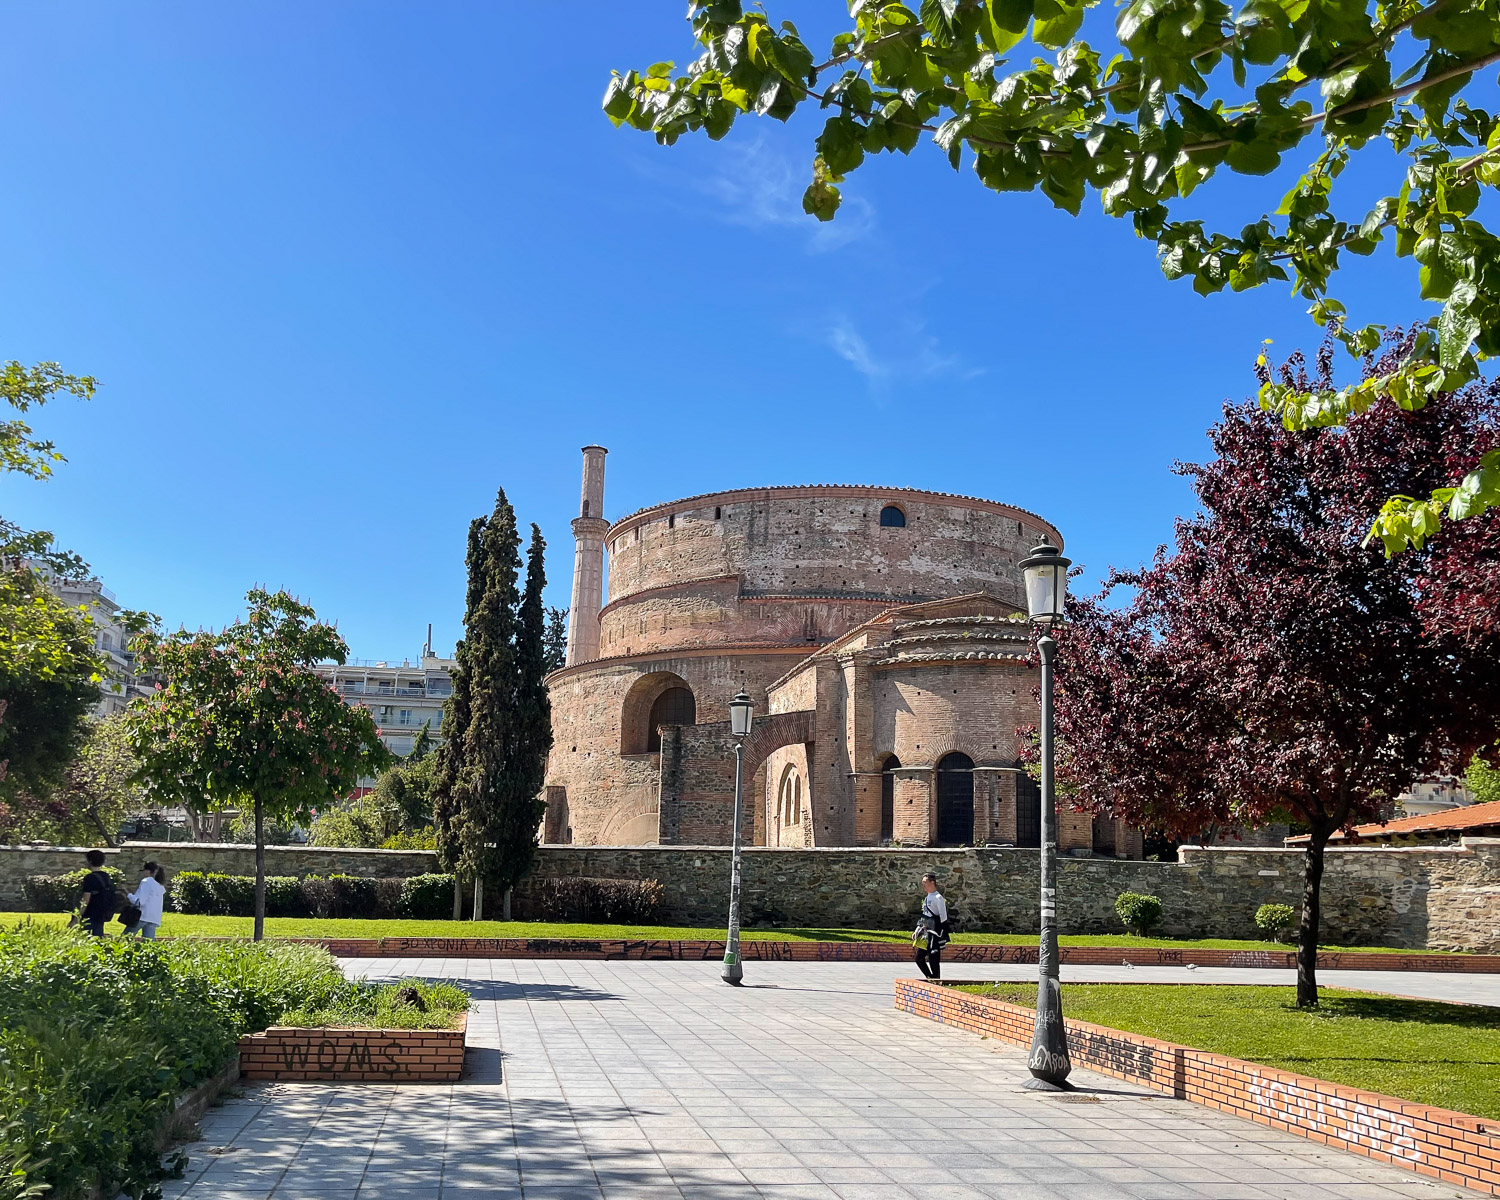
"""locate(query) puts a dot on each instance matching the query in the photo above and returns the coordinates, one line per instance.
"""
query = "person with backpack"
(97, 900)
(146, 902)
(932, 930)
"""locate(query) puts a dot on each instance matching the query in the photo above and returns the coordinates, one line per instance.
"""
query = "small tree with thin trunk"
(242, 719)
(1270, 667)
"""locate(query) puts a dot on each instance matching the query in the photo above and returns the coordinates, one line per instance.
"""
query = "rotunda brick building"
(875, 629)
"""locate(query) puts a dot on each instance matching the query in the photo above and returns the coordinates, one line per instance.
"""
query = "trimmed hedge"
(61, 893)
(1137, 913)
(424, 897)
(614, 901)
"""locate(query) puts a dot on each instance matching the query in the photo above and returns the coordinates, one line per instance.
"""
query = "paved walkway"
(622, 1079)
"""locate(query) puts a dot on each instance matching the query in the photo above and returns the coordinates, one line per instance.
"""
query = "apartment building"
(402, 697)
(121, 684)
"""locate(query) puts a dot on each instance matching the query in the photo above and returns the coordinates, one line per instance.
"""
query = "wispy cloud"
(905, 352)
(759, 187)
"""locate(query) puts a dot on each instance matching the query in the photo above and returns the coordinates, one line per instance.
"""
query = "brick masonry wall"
(383, 1055)
(17, 862)
(1454, 1147)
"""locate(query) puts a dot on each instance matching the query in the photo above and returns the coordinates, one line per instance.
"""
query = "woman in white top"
(148, 897)
(932, 931)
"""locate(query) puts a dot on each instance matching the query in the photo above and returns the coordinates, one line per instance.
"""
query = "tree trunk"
(507, 904)
(458, 896)
(1307, 931)
(478, 897)
(260, 870)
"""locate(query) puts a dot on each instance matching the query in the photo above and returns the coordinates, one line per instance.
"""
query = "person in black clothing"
(932, 931)
(97, 903)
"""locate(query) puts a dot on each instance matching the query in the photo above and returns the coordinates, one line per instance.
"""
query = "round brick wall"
(732, 590)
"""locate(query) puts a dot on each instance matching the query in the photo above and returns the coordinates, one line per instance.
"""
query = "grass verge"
(1447, 1055)
(178, 925)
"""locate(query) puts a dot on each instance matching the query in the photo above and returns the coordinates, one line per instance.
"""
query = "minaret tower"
(588, 561)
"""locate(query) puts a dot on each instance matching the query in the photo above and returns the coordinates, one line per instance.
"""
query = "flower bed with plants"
(410, 1032)
(99, 1038)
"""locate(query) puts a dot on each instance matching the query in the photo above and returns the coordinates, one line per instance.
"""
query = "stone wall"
(1418, 898)
(1440, 897)
(17, 862)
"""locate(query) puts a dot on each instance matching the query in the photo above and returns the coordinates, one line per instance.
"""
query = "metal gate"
(955, 800)
(1028, 811)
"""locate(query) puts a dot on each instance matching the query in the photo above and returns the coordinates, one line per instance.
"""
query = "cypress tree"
(498, 721)
(449, 769)
(520, 806)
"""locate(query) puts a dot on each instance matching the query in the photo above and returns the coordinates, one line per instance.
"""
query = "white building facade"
(401, 697)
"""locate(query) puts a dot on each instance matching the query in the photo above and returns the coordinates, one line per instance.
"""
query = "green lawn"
(1422, 1050)
(177, 924)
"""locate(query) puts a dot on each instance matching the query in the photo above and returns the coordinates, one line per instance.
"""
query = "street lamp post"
(741, 709)
(1046, 574)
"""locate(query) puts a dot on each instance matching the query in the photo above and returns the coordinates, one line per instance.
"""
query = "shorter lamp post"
(1046, 574)
(741, 710)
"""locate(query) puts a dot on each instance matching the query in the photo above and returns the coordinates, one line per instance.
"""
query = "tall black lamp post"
(1046, 573)
(741, 710)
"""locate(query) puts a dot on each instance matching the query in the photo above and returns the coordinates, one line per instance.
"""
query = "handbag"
(129, 915)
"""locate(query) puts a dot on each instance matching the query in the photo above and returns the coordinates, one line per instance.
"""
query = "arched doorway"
(888, 798)
(955, 800)
(675, 706)
(1028, 810)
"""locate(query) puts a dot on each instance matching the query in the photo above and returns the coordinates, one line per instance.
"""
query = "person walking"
(96, 903)
(932, 930)
(148, 898)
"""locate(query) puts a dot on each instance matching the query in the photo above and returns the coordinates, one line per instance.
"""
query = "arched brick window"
(955, 800)
(892, 517)
(660, 698)
(675, 706)
(888, 798)
(1028, 811)
(789, 797)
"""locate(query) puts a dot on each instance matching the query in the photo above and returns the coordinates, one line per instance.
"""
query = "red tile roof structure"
(1477, 820)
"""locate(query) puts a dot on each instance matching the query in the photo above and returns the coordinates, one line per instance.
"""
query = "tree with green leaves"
(242, 720)
(398, 806)
(50, 670)
(1186, 89)
(555, 640)
(496, 724)
(421, 745)
(1483, 781)
(95, 793)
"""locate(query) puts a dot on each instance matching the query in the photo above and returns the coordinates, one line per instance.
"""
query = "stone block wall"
(1418, 898)
(1438, 897)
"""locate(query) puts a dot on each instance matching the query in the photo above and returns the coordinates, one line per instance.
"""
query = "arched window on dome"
(675, 706)
(892, 517)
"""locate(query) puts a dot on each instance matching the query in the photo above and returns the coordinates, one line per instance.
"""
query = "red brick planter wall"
(753, 951)
(1455, 1147)
(386, 1055)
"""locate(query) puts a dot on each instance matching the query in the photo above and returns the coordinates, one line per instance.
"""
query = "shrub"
(426, 897)
(339, 896)
(578, 898)
(420, 839)
(60, 893)
(1275, 920)
(1138, 913)
(99, 1036)
(411, 1004)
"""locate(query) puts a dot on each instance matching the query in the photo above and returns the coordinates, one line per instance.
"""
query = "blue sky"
(343, 269)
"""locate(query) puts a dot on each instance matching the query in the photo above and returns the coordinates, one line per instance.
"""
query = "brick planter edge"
(367, 1055)
(1456, 1147)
